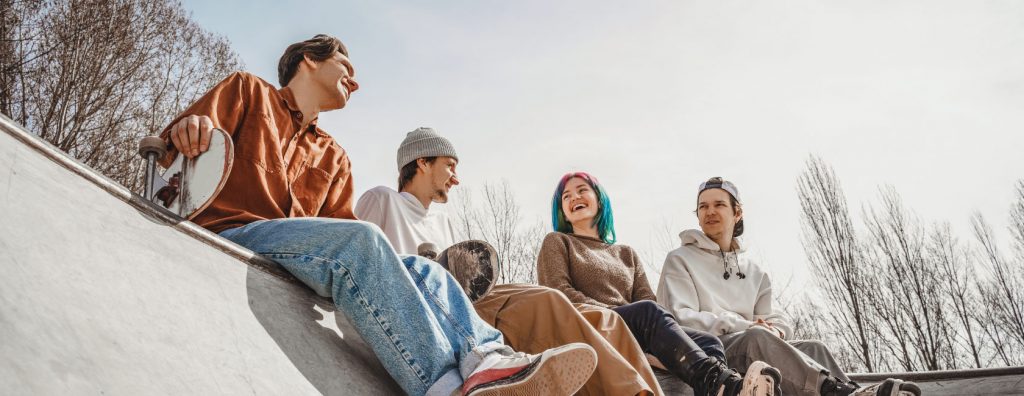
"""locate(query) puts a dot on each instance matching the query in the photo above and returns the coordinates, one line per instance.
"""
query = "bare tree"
(956, 267)
(91, 77)
(17, 53)
(914, 289)
(497, 220)
(1017, 221)
(835, 257)
(660, 241)
(909, 299)
(1002, 296)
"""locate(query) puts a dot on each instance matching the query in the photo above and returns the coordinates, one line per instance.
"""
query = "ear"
(309, 62)
(739, 213)
(422, 165)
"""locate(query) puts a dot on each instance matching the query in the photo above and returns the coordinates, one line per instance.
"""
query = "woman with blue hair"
(581, 260)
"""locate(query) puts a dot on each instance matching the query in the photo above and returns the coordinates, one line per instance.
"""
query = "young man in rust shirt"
(289, 198)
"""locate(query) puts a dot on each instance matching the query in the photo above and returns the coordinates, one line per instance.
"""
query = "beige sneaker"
(761, 380)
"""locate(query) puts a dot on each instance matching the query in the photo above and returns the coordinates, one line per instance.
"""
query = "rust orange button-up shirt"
(279, 170)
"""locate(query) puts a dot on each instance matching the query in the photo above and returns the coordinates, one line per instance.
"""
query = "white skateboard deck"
(189, 185)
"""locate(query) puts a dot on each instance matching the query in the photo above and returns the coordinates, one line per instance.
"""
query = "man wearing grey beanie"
(423, 150)
(532, 318)
(426, 163)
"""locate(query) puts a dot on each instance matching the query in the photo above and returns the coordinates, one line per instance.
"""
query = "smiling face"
(336, 78)
(579, 203)
(716, 213)
(442, 177)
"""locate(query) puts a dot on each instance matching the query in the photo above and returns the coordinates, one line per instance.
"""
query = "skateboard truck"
(427, 250)
(187, 185)
(151, 148)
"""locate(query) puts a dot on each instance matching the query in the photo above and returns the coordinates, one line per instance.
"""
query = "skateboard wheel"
(152, 144)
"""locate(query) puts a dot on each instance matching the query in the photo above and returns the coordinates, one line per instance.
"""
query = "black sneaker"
(890, 387)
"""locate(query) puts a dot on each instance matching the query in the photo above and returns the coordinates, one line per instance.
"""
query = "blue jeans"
(413, 314)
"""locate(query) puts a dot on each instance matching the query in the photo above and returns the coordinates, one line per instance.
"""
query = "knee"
(546, 300)
(359, 233)
(368, 230)
(759, 333)
(758, 336)
(651, 308)
(814, 345)
(356, 241)
(703, 338)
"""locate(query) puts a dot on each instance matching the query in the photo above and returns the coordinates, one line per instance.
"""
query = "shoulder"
(556, 237)
(555, 241)
(681, 255)
(252, 91)
(247, 79)
(381, 192)
(377, 194)
(682, 250)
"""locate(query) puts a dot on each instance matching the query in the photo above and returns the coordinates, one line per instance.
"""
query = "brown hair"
(318, 48)
(409, 171)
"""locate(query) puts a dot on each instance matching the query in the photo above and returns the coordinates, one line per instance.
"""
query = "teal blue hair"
(604, 220)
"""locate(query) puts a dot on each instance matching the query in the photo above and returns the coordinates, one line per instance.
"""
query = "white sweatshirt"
(694, 289)
(404, 220)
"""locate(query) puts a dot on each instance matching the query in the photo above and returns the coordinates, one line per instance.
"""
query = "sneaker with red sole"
(556, 371)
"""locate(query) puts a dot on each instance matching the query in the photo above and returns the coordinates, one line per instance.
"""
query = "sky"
(654, 97)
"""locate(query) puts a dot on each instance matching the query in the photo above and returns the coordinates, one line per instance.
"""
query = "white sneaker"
(556, 371)
(761, 379)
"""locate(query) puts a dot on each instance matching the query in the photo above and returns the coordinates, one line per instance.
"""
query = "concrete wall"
(101, 294)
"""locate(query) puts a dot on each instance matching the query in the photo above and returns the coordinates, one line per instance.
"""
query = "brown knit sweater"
(590, 271)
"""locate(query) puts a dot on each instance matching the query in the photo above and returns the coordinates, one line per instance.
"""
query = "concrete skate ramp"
(101, 293)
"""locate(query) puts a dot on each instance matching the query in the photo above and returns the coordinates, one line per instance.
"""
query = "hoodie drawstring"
(728, 273)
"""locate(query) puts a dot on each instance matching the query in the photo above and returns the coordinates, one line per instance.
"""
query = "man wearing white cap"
(710, 284)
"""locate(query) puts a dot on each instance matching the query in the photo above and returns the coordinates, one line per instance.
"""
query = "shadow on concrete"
(318, 340)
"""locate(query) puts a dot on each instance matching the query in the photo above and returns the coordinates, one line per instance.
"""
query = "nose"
(455, 180)
(352, 85)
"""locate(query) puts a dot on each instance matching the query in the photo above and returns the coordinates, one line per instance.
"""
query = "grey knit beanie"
(424, 142)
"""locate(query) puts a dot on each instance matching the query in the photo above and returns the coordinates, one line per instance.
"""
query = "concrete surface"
(101, 294)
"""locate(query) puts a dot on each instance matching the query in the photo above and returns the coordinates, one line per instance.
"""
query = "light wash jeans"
(410, 310)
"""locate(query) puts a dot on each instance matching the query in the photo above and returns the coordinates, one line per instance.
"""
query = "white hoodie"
(694, 289)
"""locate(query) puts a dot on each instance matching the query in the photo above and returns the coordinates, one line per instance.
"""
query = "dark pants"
(658, 334)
